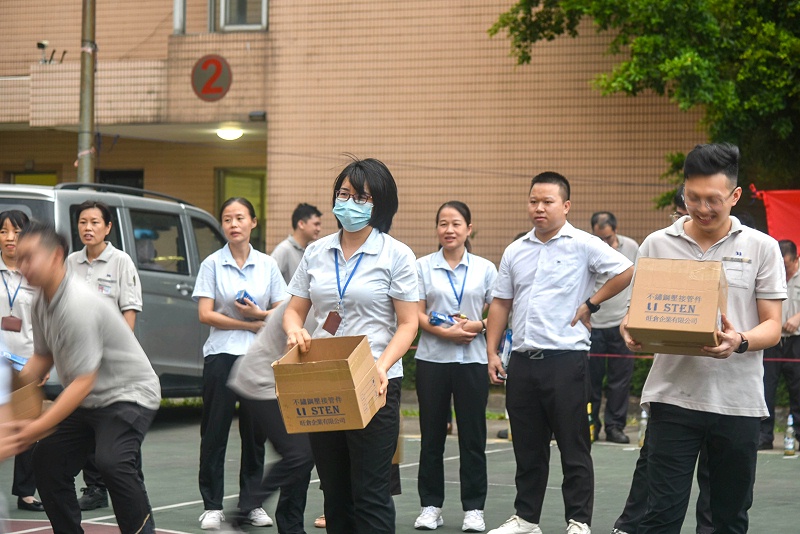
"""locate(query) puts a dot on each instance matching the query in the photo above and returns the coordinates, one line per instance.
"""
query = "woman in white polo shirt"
(16, 337)
(359, 281)
(235, 267)
(112, 273)
(451, 360)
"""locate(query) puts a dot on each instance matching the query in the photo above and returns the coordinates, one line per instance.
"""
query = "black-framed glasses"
(359, 198)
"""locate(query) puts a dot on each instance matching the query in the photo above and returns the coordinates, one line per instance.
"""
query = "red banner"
(783, 213)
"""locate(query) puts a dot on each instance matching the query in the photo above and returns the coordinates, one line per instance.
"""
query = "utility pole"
(86, 121)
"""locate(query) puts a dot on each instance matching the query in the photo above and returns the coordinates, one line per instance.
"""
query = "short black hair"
(105, 210)
(382, 187)
(788, 248)
(678, 201)
(238, 200)
(601, 219)
(550, 177)
(304, 212)
(48, 236)
(713, 158)
(18, 219)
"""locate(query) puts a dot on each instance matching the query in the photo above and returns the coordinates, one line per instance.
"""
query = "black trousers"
(291, 474)
(676, 436)
(115, 433)
(788, 348)
(219, 405)
(469, 386)
(91, 476)
(24, 484)
(354, 467)
(636, 505)
(544, 396)
(618, 373)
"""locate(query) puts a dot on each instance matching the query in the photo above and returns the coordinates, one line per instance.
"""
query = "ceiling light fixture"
(230, 134)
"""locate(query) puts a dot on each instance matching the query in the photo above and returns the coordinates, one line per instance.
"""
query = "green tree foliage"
(738, 61)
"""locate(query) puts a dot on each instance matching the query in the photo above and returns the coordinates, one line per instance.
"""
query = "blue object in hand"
(243, 296)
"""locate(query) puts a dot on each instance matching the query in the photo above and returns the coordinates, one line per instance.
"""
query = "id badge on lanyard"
(11, 323)
(334, 319)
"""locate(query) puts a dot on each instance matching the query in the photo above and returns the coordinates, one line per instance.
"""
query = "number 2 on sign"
(209, 88)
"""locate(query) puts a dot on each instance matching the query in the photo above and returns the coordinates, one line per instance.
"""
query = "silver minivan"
(167, 239)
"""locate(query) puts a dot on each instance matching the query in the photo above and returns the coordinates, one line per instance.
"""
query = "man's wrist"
(593, 308)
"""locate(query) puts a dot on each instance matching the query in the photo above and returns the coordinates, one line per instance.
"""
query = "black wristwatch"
(743, 346)
(593, 308)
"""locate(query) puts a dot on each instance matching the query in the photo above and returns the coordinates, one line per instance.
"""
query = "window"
(160, 244)
(113, 237)
(208, 239)
(128, 178)
(250, 184)
(29, 178)
(242, 15)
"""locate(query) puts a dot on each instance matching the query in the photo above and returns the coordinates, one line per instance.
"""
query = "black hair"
(48, 236)
(550, 177)
(105, 211)
(17, 218)
(382, 187)
(601, 219)
(461, 208)
(713, 158)
(678, 201)
(788, 248)
(240, 200)
(304, 212)
(521, 235)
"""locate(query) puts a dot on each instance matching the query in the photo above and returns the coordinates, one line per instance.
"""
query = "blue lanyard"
(459, 296)
(11, 299)
(338, 280)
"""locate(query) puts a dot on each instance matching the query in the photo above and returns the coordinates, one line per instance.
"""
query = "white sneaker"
(430, 518)
(473, 521)
(259, 518)
(574, 527)
(211, 519)
(517, 525)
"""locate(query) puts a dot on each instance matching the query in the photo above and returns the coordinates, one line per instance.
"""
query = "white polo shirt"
(613, 311)
(220, 278)
(387, 271)
(112, 274)
(791, 306)
(19, 343)
(754, 269)
(549, 281)
(477, 276)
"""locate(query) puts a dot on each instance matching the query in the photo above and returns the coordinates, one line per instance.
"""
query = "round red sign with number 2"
(211, 78)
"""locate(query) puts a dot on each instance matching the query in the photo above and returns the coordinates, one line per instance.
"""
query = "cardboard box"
(26, 399)
(334, 386)
(676, 305)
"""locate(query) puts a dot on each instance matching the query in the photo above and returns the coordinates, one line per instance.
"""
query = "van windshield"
(41, 210)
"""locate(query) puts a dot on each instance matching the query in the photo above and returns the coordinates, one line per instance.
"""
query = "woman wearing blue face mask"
(359, 281)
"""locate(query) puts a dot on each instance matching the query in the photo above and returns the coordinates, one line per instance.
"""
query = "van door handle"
(184, 289)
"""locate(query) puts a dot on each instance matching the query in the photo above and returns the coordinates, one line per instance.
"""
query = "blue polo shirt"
(220, 278)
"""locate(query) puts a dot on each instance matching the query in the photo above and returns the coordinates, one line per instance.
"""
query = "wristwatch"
(743, 346)
(593, 308)
(483, 330)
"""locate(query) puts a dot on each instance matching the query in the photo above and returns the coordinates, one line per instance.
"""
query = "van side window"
(160, 245)
(113, 237)
(208, 238)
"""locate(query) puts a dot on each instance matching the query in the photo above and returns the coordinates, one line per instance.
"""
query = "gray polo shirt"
(112, 274)
(754, 270)
(252, 376)
(288, 254)
(791, 306)
(614, 309)
(84, 332)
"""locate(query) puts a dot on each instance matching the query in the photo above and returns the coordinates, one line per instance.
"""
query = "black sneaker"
(94, 497)
(615, 435)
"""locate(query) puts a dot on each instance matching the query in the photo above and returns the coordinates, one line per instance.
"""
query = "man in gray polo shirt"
(111, 392)
(606, 339)
(716, 399)
(306, 226)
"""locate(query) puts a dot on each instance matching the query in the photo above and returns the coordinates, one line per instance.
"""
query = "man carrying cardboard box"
(716, 400)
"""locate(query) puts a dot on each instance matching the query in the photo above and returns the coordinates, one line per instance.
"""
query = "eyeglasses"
(359, 198)
(714, 203)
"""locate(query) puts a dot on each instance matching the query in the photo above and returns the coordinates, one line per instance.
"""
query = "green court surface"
(171, 458)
